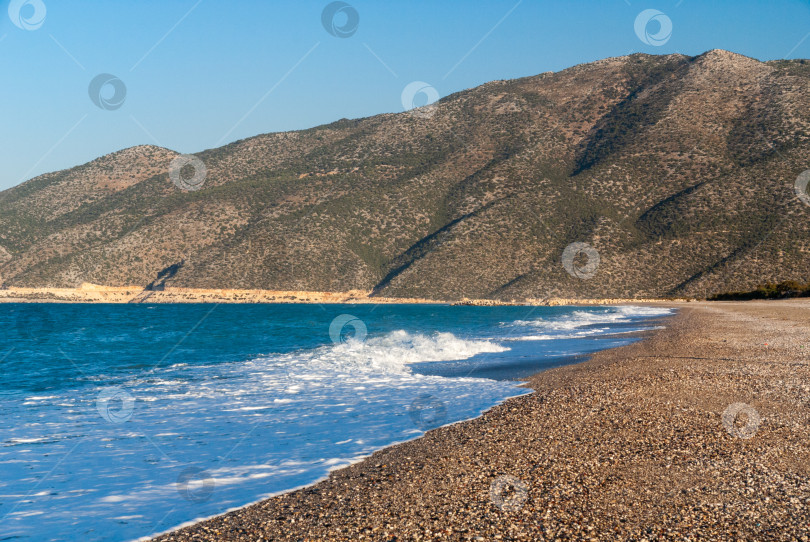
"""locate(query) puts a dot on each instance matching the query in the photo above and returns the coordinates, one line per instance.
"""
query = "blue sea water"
(122, 421)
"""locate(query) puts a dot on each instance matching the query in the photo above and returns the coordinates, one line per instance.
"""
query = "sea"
(118, 422)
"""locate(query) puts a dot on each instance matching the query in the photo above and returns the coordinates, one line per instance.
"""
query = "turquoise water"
(121, 421)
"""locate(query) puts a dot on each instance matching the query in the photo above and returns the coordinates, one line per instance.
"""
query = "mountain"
(679, 171)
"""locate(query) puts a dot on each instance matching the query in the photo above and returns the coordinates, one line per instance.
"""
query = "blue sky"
(201, 73)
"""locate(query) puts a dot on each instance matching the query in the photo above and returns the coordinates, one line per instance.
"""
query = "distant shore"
(639, 442)
(94, 293)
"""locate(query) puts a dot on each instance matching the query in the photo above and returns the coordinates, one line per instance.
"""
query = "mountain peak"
(139, 151)
(723, 57)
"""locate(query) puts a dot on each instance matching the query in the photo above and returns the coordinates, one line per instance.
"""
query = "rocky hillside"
(678, 172)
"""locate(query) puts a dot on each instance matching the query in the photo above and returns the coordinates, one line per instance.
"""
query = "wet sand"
(630, 445)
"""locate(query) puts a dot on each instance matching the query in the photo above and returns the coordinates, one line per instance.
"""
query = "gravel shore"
(639, 443)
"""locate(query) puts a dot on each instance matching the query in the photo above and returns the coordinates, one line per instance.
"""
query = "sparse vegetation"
(678, 170)
(785, 289)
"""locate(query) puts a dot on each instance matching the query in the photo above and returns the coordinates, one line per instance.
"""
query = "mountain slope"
(678, 170)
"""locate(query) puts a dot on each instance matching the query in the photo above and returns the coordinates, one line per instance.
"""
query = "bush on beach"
(785, 289)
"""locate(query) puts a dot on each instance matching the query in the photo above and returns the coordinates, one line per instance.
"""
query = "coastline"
(629, 444)
(94, 293)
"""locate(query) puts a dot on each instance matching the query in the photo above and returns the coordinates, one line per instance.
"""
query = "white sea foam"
(581, 323)
(578, 319)
(551, 337)
(393, 352)
(634, 310)
(255, 427)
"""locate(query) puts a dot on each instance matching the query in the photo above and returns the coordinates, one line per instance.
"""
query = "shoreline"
(94, 293)
(523, 384)
(628, 444)
(359, 460)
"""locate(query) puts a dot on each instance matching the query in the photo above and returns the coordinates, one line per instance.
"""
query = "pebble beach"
(699, 431)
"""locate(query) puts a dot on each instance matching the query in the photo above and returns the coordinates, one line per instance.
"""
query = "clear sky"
(195, 74)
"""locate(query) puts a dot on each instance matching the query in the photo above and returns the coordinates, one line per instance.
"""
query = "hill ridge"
(677, 170)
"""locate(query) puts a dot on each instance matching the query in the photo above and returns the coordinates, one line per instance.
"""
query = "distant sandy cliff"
(94, 293)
